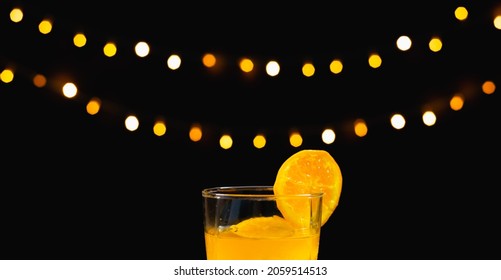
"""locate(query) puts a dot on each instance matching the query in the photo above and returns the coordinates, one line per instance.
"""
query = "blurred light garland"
(356, 127)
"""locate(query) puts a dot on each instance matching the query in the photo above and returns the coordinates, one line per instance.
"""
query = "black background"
(76, 186)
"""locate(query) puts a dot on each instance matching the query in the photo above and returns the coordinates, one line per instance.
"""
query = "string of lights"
(212, 62)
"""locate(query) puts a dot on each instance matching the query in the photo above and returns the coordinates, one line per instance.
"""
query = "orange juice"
(269, 239)
(278, 222)
(246, 223)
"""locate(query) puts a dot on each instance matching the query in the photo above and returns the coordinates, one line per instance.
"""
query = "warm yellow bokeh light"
(7, 75)
(79, 40)
(336, 66)
(308, 69)
(488, 87)
(461, 13)
(435, 44)
(110, 49)
(497, 22)
(375, 61)
(195, 133)
(456, 103)
(259, 141)
(226, 141)
(246, 65)
(16, 15)
(295, 139)
(45, 26)
(93, 106)
(159, 128)
(360, 128)
(209, 60)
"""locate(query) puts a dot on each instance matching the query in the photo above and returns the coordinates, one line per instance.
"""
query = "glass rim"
(250, 191)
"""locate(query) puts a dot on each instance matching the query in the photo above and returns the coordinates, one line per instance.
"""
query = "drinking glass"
(248, 223)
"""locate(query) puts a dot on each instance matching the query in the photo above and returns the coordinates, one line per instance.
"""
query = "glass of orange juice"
(254, 223)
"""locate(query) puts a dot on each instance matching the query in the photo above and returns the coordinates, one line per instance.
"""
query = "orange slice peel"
(308, 172)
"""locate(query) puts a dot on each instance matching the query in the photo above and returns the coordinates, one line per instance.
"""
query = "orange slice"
(308, 172)
(263, 227)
